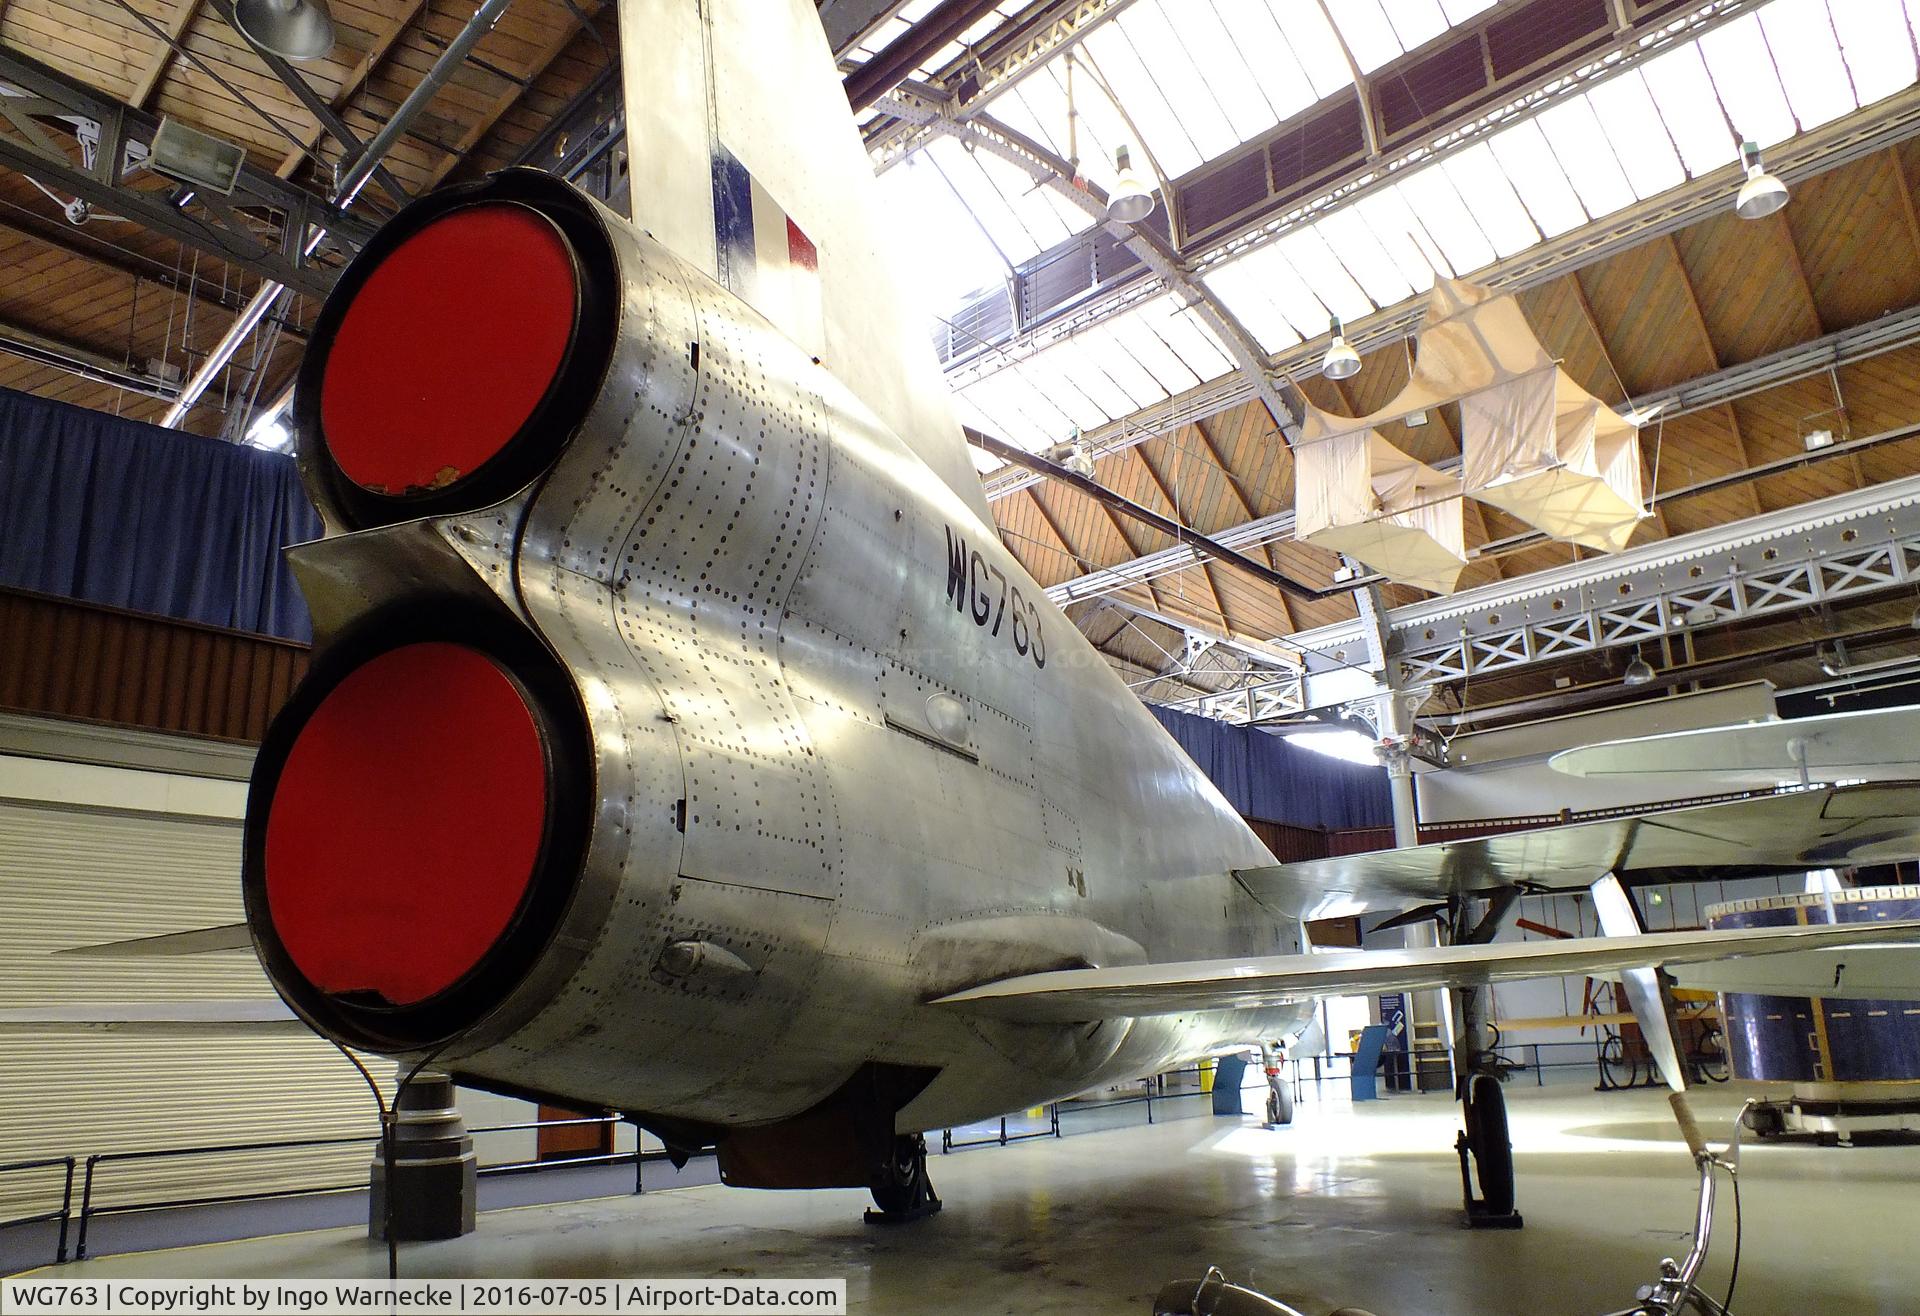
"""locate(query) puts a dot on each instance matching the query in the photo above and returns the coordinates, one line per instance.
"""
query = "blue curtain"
(1264, 777)
(123, 513)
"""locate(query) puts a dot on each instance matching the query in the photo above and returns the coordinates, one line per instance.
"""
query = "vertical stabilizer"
(744, 159)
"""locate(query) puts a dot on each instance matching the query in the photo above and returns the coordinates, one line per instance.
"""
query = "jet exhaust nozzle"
(416, 825)
(458, 352)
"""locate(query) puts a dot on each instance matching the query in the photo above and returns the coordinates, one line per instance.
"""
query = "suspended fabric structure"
(1534, 444)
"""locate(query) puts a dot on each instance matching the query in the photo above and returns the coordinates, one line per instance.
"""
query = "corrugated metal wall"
(80, 876)
(72, 659)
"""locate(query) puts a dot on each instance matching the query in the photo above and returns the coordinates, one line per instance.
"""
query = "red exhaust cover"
(448, 348)
(406, 824)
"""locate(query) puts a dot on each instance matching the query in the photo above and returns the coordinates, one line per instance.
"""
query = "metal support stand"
(901, 1189)
(434, 1169)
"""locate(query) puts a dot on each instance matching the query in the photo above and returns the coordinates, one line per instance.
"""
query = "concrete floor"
(1352, 1205)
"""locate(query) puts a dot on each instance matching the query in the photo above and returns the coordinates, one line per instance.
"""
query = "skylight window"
(1877, 46)
(1587, 157)
(1322, 271)
(1496, 208)
(1632, 124)
(1361, 253)
(1742, 69)
(1527, 160)
(1415, 22)
(1683, 92)
(1267, 284)
(1800, 35)
(1314, 45)
(1113, 52)
(1367, 33)
(1256, 35)
(1101, 345)
(1134, 331)
(1231, 81)
(1431, 196)
(1387, 215)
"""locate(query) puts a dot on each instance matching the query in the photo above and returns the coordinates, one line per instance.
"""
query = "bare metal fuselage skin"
(836, 730)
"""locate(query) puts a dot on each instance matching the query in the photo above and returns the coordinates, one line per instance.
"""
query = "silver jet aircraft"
(681, 738)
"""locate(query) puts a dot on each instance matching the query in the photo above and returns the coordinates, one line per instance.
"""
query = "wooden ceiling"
(115, 290)
(1726, 291)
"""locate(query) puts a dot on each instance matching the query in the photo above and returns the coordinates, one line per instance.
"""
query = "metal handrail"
(949, 1144)
(64, 1215)
(88, 1210)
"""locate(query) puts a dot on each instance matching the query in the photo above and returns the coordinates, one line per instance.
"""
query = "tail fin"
(744, 159)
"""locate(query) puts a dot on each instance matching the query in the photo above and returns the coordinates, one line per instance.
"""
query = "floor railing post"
(86, 1209)
(66, 1213)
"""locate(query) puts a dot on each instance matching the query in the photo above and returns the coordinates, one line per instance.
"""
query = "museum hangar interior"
(1274, 640)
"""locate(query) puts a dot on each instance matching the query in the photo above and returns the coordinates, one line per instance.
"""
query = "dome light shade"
(293, 29)
(1341, 361)
(1131, 199)
(1762, 193)
(1639, 671)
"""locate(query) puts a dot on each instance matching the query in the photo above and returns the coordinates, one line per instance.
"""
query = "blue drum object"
(1788, 1039)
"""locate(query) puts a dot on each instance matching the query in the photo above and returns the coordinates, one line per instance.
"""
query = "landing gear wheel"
(1487, 1140)
(901, 1189)
(1280, 1105)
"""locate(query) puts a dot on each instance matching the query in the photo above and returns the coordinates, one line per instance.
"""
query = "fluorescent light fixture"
(1814, 440)
(1131, 199)
(1336, 743)
(195, 157)
(1762, 193)
(1341, 361)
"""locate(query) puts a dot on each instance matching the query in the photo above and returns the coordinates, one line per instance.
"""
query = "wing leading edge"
(1080, 995)
(1823, 827)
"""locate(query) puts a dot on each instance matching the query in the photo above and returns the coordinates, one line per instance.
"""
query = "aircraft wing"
(1823, 827)
(1079, 995)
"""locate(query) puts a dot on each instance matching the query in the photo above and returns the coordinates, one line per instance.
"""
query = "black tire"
(1487, 1139)
(1280, 1105)
(1617, 1069)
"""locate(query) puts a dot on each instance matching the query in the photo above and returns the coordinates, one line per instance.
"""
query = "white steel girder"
(1848, 546)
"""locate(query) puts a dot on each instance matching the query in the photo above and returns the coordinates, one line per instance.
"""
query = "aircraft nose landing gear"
(901, 1189)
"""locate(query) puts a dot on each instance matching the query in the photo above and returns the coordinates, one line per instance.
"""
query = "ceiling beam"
(1118, 503)
(148, 81)
(1206, 568)
(896, 61)
(1845, 347)
(984, 132)
(76, 240)
(317, 106)
(257, 229)
(1232, 477)
(356, 80)
(543, 60)
(82, 361)
(1852, 137)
